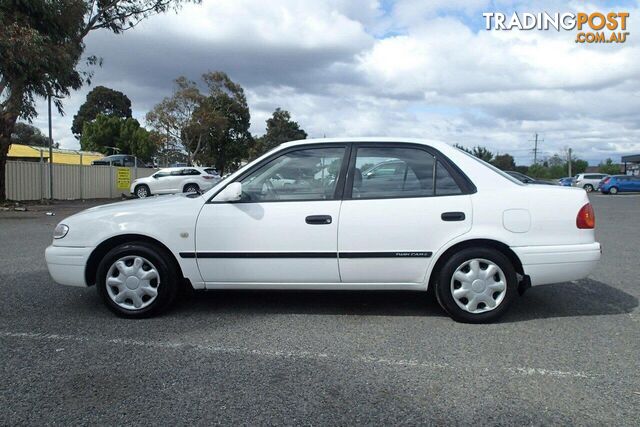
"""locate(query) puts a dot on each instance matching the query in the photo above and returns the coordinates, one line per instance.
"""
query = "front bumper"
(558, 263)
(67, 264)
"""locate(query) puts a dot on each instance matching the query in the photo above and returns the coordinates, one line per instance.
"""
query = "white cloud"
(340, 69)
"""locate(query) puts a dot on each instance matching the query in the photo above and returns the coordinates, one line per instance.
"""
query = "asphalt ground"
(564, 354)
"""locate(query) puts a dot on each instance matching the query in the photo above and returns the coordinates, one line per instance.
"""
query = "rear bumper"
(67, 265)
(558, 263)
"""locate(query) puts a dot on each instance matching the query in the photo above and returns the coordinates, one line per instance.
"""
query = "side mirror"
(231, 193)
(154, 176)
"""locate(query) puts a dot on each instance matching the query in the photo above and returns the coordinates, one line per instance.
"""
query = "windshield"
(493, 168)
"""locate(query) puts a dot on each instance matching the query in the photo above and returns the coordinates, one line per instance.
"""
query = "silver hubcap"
(132, 282)
(478, 285)
(142, 192)
(613, 190)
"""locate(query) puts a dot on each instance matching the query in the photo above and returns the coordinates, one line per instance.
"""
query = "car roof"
(369, 139)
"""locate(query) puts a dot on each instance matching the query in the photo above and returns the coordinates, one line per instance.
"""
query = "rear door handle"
(318, 219)
(453, 216)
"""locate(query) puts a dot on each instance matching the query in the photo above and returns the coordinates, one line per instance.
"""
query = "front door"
(401, 204)
(284, 230)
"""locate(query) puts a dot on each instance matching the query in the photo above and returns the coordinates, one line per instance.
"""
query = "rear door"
(391, 223)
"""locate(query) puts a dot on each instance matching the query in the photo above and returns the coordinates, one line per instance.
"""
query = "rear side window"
(190, 172)
(395, 172)
(445, 184)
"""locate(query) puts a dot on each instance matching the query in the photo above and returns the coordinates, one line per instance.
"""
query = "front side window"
(306, 174)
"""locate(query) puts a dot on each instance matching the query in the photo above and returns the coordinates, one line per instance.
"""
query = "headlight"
(60, 231)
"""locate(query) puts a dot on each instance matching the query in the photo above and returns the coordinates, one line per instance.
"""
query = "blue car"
(619, 183)
(566, 182)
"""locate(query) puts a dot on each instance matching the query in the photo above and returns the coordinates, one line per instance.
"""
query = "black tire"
(443, 285)
(588, 188)
(191, 188)
(167, 288)
(141, 191)
(613, 190)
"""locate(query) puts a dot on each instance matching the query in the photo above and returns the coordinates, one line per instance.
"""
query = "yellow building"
(68, 157)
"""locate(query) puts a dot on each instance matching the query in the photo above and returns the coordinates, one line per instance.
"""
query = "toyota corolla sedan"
(439, 218)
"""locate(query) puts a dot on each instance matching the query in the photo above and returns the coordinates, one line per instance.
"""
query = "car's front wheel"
(142, 191)
(137, 280)
(476, 285)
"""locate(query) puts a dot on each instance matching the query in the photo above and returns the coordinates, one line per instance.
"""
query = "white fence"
(30, 181)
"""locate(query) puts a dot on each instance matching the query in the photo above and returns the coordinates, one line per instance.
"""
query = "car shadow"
(582, 298)
(585, 297)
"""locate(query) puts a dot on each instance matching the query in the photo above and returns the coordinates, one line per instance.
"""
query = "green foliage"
(181, 121)
(124, 134)
(539, 171)
(101, 100)
(609, 167)
(522, 169)
(579, 166)
(463, 148)
(24, 133)
(41, 44)
(280, 129)
(212, 128)
(482, 153)
(225, 114)
(504, 162)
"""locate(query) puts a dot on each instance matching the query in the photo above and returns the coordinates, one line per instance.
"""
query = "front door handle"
(318, 219)
(453, 216)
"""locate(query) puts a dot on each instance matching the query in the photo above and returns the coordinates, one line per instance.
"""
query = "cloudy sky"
(390, 68)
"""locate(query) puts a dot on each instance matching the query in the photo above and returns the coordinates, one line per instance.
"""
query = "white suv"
(589, 181)
(175, 180)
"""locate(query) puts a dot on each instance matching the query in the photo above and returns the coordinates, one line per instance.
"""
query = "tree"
(175, 117)
(482, 153)
(280, 129)
(24, 133)
(579, 166)
(101, 100)
(211, 128)
(125, 135)
(41, 44)
(463, 148)
(504, 162)
(227, 119)
(609, 167)
(538, 171)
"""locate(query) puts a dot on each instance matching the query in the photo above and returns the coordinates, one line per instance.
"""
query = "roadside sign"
(123, 178)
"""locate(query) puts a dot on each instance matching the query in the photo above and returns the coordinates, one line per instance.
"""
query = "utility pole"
(569, 161)
(50, 151)
(535, 148)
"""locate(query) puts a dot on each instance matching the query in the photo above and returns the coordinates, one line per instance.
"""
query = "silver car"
(589, 181)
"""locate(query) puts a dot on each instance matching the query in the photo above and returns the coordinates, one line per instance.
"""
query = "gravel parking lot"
(564, 354)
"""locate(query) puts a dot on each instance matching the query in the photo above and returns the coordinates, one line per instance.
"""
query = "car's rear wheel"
(588, 188)
(613, 190)
(137, 280)
(142, 191)
(191, 188)
(476, 285)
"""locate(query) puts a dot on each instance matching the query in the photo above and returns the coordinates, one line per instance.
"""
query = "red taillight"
(606, 180)
(208, 176)
(586, 218)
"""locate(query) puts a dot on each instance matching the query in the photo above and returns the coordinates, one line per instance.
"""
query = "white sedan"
(186, 179)
(439, 218)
